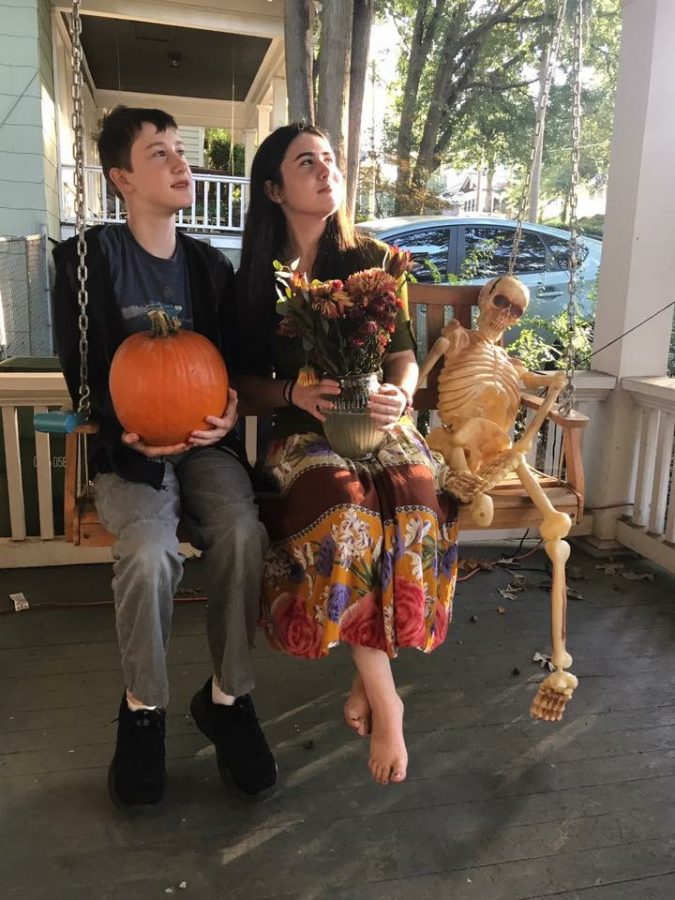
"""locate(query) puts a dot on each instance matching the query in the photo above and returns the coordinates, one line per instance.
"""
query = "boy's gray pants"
(210, 492)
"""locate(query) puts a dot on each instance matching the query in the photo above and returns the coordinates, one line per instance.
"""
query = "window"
(560, 249)
(488, 249)
(429, 250)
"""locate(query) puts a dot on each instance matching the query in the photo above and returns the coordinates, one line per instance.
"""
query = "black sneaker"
(137, 773)
(241, 749)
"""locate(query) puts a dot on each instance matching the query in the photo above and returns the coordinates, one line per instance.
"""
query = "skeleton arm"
(534, 380)
(454, 338)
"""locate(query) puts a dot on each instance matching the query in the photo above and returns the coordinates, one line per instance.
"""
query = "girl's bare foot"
(388, 754)
(357, 708)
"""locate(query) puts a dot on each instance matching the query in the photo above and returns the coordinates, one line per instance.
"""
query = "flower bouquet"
(345, 328)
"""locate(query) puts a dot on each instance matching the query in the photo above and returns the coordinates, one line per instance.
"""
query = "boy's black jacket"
(212, 294)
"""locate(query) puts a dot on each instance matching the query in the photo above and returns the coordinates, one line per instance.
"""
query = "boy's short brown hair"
(120, 128)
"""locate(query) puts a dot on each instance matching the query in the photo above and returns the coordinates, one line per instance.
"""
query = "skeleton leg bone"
(556, 690)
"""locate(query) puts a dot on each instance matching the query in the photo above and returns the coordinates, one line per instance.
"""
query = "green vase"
(349, 427)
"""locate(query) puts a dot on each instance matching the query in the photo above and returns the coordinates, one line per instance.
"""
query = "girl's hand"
(388, 405)
(315, 398)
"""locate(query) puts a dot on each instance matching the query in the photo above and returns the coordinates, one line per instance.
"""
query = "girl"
(363, 551)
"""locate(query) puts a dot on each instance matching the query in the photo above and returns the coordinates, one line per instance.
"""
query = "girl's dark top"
(263, 352)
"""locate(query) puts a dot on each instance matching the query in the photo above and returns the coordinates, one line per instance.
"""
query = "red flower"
(295, 630)
(362, 624)
(408, 613)
(441, 622)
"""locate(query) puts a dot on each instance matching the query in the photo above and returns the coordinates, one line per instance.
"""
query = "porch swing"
(513, 508)
(563, 483)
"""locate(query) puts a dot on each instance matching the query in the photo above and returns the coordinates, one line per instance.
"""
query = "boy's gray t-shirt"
(141, 280)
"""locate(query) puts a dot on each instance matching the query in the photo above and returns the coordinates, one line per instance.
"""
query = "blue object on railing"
(60, 421)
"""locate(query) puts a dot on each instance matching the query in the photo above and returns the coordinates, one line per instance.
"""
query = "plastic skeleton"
(479, 398)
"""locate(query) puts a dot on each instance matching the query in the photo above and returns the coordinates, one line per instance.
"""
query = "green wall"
(28, 157)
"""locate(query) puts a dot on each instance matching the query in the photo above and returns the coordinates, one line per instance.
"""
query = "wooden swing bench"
(513, 509)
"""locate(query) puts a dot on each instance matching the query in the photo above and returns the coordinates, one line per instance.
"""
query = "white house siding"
(193, 138)
(28, 156)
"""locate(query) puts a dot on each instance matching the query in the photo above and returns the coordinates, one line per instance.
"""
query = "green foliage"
(542, 343)
(221, 154)
(482, 71)
(593, 226)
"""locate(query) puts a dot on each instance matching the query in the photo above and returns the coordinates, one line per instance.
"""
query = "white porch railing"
(651, 529)
(218, 207)
(31, 484)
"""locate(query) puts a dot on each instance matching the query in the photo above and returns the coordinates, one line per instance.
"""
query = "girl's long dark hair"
(265, 231)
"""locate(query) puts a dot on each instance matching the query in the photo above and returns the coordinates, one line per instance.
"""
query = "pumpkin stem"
(163, 325)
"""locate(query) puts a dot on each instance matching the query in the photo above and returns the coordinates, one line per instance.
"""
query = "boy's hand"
(134, 441)
(221, 425)
(196, 439)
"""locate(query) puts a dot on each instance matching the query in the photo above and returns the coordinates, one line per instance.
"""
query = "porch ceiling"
(127, 55)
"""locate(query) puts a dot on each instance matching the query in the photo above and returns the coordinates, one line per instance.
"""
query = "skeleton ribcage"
(478, 382)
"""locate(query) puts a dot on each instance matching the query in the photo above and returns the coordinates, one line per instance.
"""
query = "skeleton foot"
(553, 695)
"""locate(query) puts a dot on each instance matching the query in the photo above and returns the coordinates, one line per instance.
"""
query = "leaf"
(544, 661)
(507, 593)
(637, 576)
(277, 265)
(501, 610)
(572, 594)
(610, 568)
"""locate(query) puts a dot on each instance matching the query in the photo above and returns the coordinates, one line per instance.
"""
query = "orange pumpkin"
(165, 381)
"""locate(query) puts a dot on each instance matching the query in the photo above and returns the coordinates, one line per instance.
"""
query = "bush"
(592, 226)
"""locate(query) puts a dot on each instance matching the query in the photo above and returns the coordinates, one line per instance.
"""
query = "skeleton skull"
(502, 302)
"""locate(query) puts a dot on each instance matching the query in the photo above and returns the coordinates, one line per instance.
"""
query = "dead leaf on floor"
(508, 593)
(610, 568)
(501, 610)
(544, 661)
(517, 580)
(470, 564)
(508, 561)
(572, 594)
(637, 576)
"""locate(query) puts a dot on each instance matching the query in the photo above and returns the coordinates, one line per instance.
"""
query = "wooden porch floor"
(496, 807)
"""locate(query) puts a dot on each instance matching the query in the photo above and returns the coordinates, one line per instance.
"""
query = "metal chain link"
(566, 401)
(84, 406)
(543, 103)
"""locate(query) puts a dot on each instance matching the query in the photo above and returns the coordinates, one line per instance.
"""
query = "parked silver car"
(476, 249)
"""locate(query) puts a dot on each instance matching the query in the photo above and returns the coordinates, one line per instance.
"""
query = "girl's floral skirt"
(362, 551)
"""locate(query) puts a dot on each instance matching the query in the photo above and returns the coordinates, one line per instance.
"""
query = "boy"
(142, 491)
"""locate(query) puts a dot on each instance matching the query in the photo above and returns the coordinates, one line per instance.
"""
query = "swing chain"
(84, 406)
(539, 118)
(566, 400)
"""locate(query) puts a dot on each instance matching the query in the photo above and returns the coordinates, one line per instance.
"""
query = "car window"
(487, 250)
(560, 249)
(429, 250)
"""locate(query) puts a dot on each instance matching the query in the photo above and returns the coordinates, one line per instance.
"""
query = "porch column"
(264, 111)
(279, 102)
(638, 258)
(250, 144)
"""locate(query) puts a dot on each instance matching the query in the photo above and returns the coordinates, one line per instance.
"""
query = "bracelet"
(409, 400)
(287, 392)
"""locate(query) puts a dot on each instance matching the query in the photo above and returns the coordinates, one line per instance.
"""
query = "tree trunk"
(361, 27)
(420, 47)
(298, 18)
(334, 64)
(535, 178)
(489, 187)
